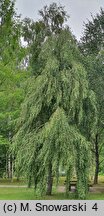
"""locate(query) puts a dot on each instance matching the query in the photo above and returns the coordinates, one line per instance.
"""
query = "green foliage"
(53, 18)
(11, 95)
(93, 37)
(92, 45)
(58, 116)
(52, 112)
(11, 74)
(82, 163)
(11, 53)
(36, 33)
(4, 145)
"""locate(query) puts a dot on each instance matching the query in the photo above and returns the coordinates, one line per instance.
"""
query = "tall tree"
(35, 33)
(95, 68)
(92, 46)
(48, 128)
(11, 76)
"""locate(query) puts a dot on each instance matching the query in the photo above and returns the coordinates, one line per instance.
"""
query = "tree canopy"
(49, 125)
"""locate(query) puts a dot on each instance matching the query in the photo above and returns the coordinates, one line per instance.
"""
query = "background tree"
(53, 17)
(92, 40)
(4, 146)
(11, 49)
(11, 96)
(11, 75)
(35, 33)
(92, 47)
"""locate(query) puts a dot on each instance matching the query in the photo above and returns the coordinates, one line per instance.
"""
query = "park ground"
(19, 191)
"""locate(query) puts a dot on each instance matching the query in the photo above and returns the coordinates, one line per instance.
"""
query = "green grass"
(95, 196)
(16, 194)
(28, 194)
(13, 182)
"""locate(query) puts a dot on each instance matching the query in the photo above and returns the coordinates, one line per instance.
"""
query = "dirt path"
(97, 189)
(61, 189)
(94, 189)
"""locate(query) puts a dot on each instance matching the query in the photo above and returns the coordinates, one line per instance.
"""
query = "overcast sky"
(79, 10)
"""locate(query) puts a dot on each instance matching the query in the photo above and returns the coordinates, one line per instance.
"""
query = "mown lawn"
(13, 182)
(16, 194)
(28, 194)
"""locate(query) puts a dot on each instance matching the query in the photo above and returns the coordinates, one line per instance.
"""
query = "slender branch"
(101, 161)
(101, 147)
(93, 150)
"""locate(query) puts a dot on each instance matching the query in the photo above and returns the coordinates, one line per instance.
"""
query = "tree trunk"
(29, 181)
(10, 159)
(10, 167)
(96, 160)
(18, 178)
(49, 181)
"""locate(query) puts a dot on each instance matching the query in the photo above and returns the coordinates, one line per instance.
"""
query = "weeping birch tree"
(48, 133)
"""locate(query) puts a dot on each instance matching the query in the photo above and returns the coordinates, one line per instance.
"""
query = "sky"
(78, 10)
